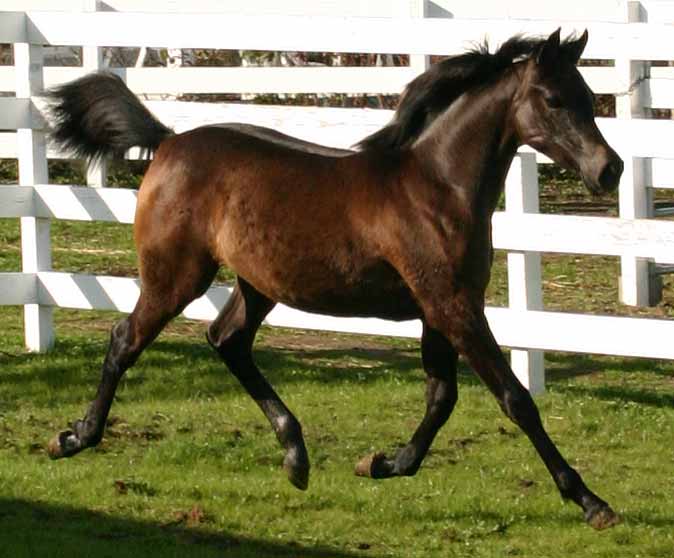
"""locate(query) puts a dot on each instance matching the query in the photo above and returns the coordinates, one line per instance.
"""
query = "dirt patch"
(296, 339)
(280, 338)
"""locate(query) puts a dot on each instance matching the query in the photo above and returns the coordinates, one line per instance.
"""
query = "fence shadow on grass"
(568, 366)
(74, 366)
(29, 529)
(563, 366)
(624, 394)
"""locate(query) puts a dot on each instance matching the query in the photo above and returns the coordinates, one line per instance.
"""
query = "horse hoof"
(374, 466)
(297, 470)
(603, 518)
(63, 444)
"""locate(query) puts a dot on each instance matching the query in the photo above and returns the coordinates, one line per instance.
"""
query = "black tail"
(98, 115)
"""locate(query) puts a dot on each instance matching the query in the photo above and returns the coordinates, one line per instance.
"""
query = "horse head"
(553, 112)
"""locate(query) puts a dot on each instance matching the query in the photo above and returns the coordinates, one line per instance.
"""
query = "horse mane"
(435, 90)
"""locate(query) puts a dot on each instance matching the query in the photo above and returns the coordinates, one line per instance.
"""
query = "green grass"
(77, 246)
(189, 467)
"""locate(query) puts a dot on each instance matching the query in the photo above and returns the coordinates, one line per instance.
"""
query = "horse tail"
(98, 115)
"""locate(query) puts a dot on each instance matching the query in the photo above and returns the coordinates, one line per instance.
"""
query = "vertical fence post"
(92, 61)
(634, 196)
(524, 268)
(419, 62)
(32, 155)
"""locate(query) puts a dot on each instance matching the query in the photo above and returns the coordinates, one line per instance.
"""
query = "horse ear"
(574, 49)
(549, 51)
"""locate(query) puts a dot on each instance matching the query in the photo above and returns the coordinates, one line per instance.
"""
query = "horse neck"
(470, 146)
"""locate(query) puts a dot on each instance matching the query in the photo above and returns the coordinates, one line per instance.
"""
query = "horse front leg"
(439, 360)
(465, 325)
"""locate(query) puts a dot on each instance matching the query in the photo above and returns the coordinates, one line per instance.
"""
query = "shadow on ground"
(74, 364)
(37, 529)
(561, 367)
(73, 367)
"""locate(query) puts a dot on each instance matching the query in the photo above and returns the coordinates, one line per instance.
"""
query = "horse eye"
(553, 101)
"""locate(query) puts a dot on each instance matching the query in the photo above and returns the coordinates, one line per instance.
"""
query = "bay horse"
(397, 228)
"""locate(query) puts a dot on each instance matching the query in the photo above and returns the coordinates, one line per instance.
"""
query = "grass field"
(189, 467)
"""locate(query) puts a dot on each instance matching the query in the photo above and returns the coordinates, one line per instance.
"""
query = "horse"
(398, 227)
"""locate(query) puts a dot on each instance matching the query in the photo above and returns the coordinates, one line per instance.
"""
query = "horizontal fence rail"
(622, 336)
(343, 127)
(303, 79)
(625, 37)
(320, 34)
(564, 234)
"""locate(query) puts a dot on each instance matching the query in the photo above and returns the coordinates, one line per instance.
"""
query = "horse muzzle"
(604, 176)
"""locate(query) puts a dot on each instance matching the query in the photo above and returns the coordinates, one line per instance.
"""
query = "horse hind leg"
(164, 294)
(232, 335)
(439, 360)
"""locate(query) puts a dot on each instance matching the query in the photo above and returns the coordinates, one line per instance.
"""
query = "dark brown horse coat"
(398, 229)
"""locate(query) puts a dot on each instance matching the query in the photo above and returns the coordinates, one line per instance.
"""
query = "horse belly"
(316, 283)
(386, 298)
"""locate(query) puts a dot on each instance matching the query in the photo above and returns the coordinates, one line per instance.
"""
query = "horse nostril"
(618, 167)
(610, 176)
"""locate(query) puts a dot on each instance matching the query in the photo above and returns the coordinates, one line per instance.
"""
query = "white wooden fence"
(628, 33)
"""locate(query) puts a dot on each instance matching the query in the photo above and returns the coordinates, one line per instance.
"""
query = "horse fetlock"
(296, 465)
(375, 466)
(407, 462)
(89, 433)
(571, 487)
(288, 430)
(64, 444)
(83, 434)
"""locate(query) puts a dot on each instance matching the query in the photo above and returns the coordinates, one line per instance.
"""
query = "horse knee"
(441, 398)
(232, 345)
(230, 334)
(443, 409)
(519, 406)
(121, 351)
